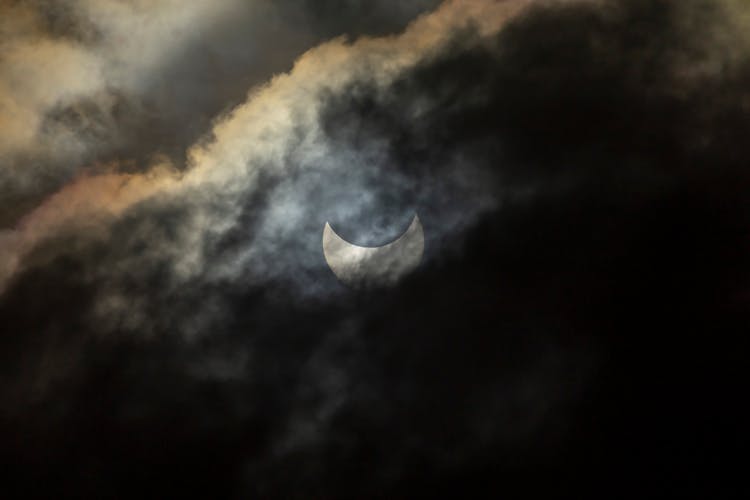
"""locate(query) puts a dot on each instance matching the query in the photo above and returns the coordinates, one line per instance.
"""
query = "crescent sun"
(367, 267)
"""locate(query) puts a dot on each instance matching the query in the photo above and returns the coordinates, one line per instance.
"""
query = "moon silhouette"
(368, 267)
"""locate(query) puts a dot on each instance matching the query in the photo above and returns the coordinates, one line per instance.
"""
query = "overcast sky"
(576, 327)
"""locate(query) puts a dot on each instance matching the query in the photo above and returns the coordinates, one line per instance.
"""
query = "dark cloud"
(577, 329)
(354, 17)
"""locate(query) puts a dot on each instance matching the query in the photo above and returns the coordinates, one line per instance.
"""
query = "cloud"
(92, 82)
(275, 135)
(579, 168)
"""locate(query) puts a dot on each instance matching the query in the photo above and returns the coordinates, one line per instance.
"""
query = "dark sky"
(577, 327)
